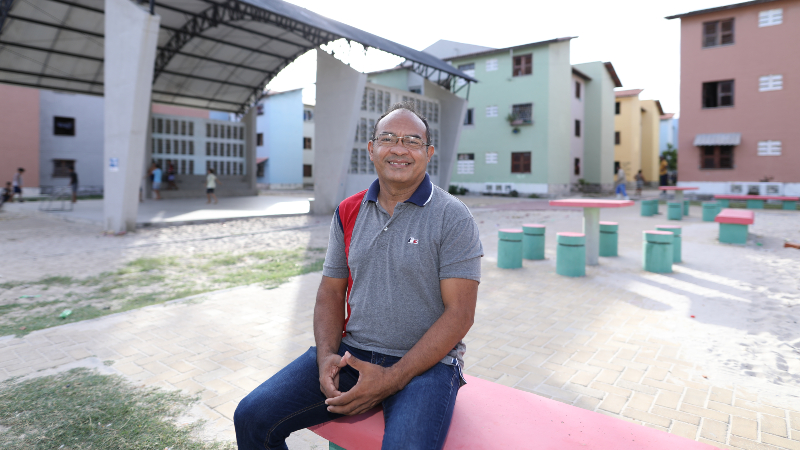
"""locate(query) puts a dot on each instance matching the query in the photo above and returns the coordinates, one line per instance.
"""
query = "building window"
(466, 164)
(308, 115)
(616, 108)
(228, 132)
(577, 168)
(64, 126)
(523, 112)
(770, 83)
(491, 65)
(616, 138)
(363, 130)
(191, 147)
(183, 127)
(433, 166)
(307, 170)
(191, 128)
(521, 162)
(491, 158)
(718, 32)
(469, 117)
(260, 169)
(577, 128)
(62, 167)
(770, 17)
(491, 111)
(717, 94)
(769, 148)
(259, 139)
(577, 89)
(523, 65)
(716, 157)
(307, 143)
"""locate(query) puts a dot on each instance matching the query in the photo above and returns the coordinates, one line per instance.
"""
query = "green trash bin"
(686, 207)
(533, 241)
(657, 253)
(509, 249)
(571, 254)
(674, 211)
(676, 240)
(609, 238)
(710, 211)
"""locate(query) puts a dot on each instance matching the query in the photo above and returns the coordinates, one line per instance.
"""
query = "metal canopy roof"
(212, 54)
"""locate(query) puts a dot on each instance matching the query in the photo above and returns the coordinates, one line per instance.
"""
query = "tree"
(671, 154)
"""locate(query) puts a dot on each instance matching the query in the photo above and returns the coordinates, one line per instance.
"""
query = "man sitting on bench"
(409, 281)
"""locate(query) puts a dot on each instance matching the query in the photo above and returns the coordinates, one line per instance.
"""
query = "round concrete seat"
(674, 211)
(571, 254)
(657, 253)
(647, 208)
(724, 203)
(676, 240)
(686, 207)
(533, 241)
(509, 249)
(609, 238)
(710, 211)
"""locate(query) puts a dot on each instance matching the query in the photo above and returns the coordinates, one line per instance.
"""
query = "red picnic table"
(591, 221)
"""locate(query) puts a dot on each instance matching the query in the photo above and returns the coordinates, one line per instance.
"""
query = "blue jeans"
(417, 417)
(622, 190)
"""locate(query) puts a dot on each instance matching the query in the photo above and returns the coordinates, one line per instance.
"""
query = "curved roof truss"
(212, 54)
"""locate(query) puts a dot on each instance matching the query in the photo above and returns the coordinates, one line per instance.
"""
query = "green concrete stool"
(733, 233)
(674, 211)
(654, 206)
(647, 208)
(509, 249)
(710, 211)
(657, 253)
(571, 254)
(609, 238)
(533, 241)
(723, 203)
(790, 205)
(676, 240)
(755, 204)
(686, 207)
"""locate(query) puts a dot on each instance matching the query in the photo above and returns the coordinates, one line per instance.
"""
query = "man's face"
(396, 163)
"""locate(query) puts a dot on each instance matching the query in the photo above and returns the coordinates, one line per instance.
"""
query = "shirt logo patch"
(412, 240)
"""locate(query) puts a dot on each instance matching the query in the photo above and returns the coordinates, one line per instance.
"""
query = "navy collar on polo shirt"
(420, 197)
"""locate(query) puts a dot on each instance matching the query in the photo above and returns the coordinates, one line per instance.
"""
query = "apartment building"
(637, 129)
(740, 82)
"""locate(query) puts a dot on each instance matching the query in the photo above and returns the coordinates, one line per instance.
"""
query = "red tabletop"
(591, 203)
(570, 234)
(677, 188)
(735, 216)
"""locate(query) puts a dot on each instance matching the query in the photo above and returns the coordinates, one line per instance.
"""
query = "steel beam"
(210, 80)
(55, 77)
(5, 8)
(47, 50)
(41, 86)
(55, 25)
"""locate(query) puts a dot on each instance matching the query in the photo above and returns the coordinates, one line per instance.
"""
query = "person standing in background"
(17, 184)
(639, 183)
(211, 185)
(621, 188)
(155, 172)
(662, 174)
(73, 183)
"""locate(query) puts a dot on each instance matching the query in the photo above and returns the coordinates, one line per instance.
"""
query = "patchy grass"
(26, 307)
(81, 409)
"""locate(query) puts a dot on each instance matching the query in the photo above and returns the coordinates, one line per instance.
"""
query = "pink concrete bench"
(757, 201)
(733, 225)
(492, 416)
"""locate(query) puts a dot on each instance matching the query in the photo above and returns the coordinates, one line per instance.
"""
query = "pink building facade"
(740, 85)
(19, 128)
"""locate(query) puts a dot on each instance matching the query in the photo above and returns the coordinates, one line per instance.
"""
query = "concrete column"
(249, 121)
(339, 92)
(451, 121)
(130, 52)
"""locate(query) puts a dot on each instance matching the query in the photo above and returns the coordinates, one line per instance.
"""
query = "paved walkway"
(708, 352)
(182, 211)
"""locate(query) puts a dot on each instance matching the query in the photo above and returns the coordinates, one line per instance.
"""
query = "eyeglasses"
(409, 142)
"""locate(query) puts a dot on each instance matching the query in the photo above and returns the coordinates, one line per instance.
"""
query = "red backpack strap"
(348, 212)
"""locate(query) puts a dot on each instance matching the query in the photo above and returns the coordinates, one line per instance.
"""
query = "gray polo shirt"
(397, 262)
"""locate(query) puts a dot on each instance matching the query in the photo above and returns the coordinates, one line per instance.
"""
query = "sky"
(633, 35)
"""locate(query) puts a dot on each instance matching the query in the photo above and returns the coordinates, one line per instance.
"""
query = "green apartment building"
(535, 124)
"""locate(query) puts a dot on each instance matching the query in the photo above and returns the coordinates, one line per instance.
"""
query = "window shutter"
(491, 65)
(770, 17)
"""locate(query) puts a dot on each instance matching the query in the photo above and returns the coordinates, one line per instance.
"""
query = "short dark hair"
(408, 106)
(21, 169)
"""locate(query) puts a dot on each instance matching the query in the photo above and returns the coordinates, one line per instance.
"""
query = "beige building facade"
(636, 135)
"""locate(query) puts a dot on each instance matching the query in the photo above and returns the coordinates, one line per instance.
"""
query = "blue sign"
(113, 164)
